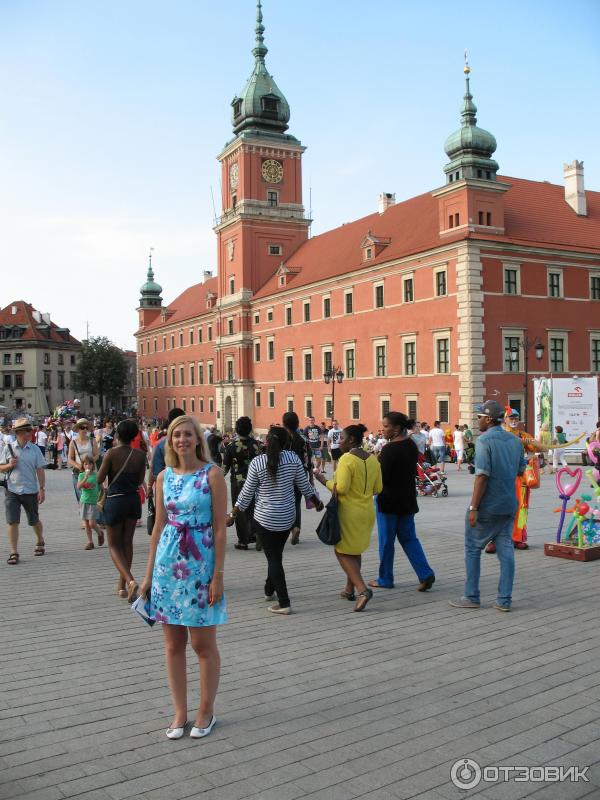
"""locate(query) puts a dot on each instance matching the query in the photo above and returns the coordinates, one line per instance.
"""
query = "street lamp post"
(525, 345)
(332, 376)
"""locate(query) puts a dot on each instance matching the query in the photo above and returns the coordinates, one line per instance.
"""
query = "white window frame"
(436, 272)
(565, 337)
(289, 353)
(308, 398)
(404, 340)
(442, 398)
(506, 265)
(270, 340)
(278, 246)
(289, 306)
(561, 284)
(348, 292)
(308, 352)
(408, 277)
(412, 398)
(347, 347)
(380, 343)
(289, 401)
(270, 396)
(354, 398)
(446, 334)
(306, 303)
(515, 333)
(378, 285)
(326, 349)
(323, 298)
(229, 361)
(594, 337)
(594, 275)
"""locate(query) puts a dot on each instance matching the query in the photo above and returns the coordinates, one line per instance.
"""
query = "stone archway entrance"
(227, 415)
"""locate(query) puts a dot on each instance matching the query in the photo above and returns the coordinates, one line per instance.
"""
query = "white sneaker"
(199, 733)
(277, 609)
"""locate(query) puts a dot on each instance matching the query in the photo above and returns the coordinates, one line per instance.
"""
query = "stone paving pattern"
(323, 704)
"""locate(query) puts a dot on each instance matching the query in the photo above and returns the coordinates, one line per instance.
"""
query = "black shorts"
(121, 507)
(336, 454)
(13, 503)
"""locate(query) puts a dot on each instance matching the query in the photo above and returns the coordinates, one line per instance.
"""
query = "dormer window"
(270, 104)
(368, 253)
(237, 108)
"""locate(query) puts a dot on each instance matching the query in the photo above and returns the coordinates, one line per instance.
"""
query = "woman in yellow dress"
(356, 481)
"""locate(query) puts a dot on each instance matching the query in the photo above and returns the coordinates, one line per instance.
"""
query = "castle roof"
(189, 304)
(20, 321)
(535, 214)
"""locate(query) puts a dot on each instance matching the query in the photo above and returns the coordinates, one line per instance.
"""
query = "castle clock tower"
(262, 221)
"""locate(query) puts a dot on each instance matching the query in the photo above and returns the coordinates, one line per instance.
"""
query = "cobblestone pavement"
(323, 704)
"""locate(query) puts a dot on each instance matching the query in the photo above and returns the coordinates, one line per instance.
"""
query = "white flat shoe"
(175, 733)
(199, 733)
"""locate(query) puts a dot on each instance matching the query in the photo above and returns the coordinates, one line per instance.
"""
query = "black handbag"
(151, 514)
(328, 529)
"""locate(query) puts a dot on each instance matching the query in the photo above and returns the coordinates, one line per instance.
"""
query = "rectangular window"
(410, 358)
(192, 375)
(595, 365)
(200, 374)
(201, 405)
(450, 221)
(308, 408)
(488, 217)
(306, 312)
(180, 339)
(256, 318)
(270, 315)
(230, 327)
(443, 411)
(8, 381)
(172, 376)
(440, 283)
(442, 347)
(289, 368)
(141, 378)
(210, 372)
(154, 342)
(257, 398)
(308, 367)
(380, 366)
(595, 287)
(209, 333)
(192, 405)
(272, 198)
(290, 404)
(231, 285)
(271, 398)
(511, 281)
(274, 249)
(326, 307)
(288, 315)
(512, 354)
(199, 335)
(257, 351)
(356, 409)
(230, 370)
(61, 358)
(412, 409)
(165, 377)
(19, 358)
(183, 405)
(348, 302)
(270, 349)
(19, 380)
(385, 408)
(350, 364)
(191, 336)
(327, 361)
(47, 381)
(554, 284)
(328, 408)
(6, 358)
(141, 348)
(211, 405)
(72, 360)
(379, 300)
(46, 358)
(408, 289)
(181, 377)
(557, 355)
(456, 220)
(164, 342)
(172, 341)
(480, 217)
(155, 378)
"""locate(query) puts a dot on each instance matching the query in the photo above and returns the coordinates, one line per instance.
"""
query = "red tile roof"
(33, 329)
(535, 214)
(190, 303)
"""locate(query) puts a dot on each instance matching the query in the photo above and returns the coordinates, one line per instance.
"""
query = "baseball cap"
(491, 409)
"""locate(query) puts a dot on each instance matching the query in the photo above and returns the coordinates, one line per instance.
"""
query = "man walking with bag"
(22, 465)
(499, 459)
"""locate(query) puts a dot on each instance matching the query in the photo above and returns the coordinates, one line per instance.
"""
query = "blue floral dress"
(185, 556)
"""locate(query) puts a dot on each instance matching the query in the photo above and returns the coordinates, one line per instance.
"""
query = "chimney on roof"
(574, 188)
(14, 310)
(386, 200)
(206, 275)
(36, 315)
(46, 318)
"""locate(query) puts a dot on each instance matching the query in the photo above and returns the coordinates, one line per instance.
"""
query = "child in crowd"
(87, 483)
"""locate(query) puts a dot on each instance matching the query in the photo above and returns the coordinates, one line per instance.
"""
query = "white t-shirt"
(333, 437)
(436, 437)
(41, 438)
(380, 444)
(459, 440)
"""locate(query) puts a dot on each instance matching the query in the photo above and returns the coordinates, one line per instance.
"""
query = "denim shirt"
(499, 455)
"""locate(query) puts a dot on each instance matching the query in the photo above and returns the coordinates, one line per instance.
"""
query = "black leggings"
(273, 543)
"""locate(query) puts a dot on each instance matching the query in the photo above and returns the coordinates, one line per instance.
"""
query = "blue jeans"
(402, 527)
(496, 527)
(440, 454)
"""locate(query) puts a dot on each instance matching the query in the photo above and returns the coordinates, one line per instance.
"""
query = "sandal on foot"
(347, 595)
(100, 538)
(89, 546)
(363, 599)
(132, 591)
(13, 559)
(40, 549)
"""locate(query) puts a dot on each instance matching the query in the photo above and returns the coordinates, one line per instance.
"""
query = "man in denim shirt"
(499, 458)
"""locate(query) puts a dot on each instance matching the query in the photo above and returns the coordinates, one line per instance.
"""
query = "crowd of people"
(373, 482)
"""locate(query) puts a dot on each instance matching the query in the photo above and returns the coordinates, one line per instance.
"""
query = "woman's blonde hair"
(171, 457)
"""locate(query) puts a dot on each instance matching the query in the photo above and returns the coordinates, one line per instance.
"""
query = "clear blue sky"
(112, 113)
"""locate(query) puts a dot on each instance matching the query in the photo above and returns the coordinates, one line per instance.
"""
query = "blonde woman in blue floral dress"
(184, 574)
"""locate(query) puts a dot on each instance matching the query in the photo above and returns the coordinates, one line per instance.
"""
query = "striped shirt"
(275, 507)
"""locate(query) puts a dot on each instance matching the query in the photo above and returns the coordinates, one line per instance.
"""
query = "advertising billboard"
(569, 402)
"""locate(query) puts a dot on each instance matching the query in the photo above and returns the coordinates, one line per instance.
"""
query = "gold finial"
(467, 68)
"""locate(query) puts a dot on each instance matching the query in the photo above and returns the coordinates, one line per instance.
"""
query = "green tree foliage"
(102, 370)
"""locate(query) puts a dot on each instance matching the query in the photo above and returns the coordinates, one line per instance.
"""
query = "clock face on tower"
(272, 171)
(234, 175)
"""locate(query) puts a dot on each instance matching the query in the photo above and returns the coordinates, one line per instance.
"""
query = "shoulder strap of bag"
(12, 455)
(121, 470)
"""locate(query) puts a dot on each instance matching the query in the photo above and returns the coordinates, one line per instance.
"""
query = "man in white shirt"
(438, 444)
(333, 437)
(41, 438)
(459, 445)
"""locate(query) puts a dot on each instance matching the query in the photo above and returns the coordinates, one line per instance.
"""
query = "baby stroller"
(430, 481)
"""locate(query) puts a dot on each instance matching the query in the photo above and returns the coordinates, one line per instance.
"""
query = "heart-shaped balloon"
(570, 488)
(593, 450)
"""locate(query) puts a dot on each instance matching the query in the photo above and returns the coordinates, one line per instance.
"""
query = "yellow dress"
(357, 480)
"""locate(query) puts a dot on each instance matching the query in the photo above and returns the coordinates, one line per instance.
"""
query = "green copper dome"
(260, 105)
(150, 291)
(470, 148)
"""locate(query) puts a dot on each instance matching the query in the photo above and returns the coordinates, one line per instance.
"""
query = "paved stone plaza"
(324, 704)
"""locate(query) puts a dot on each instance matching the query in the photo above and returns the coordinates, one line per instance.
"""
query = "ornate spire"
(260, 49)
(150, 291)
(469, 108)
